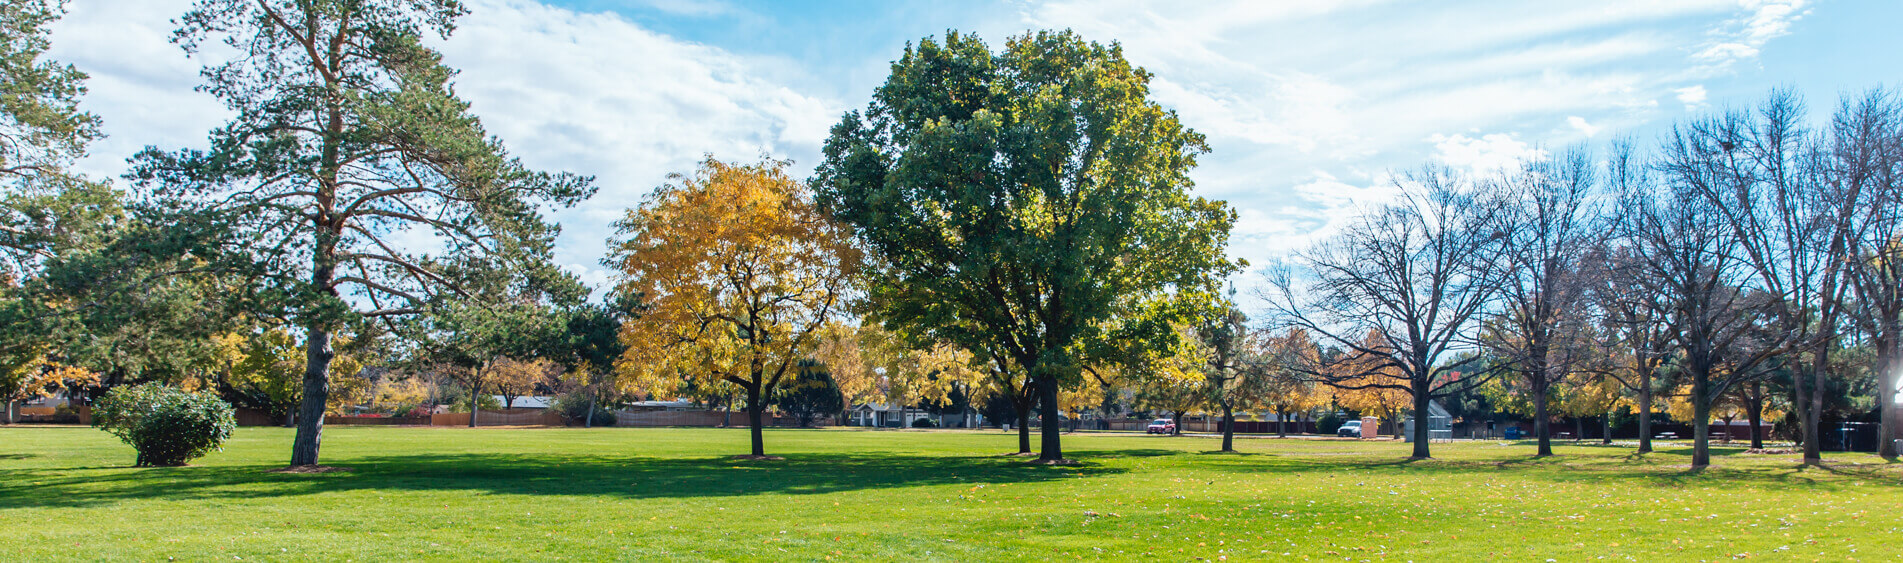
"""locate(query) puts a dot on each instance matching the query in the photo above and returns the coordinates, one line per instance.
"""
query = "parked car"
(1161, 426)
(1350, 429)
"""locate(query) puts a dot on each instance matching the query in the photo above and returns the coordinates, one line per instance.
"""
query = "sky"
(1308, 106)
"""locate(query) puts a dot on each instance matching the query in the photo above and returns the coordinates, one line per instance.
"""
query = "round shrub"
(924, 423)
(169, 427)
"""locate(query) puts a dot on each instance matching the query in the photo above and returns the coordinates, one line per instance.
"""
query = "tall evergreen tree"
(350, 168)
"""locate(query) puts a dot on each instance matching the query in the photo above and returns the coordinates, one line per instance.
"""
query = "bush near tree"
(168, 426)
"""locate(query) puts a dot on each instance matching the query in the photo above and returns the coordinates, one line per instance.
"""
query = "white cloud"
(1306, 104)
(1741, 38)
(1300, 100)
(1320, 206)
(140, 84)
(588, 93)
(1485, 154)
(1692, 96)
(1580, 124)
(598, 94)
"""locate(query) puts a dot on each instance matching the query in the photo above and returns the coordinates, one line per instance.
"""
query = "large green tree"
(350, 167)
(1019, 202)
(44, 209)
(43, 206)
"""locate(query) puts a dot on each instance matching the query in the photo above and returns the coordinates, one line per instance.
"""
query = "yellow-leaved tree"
(870, 364)
(28, 375)
(1283, 388)
(737, 271)
(515, 378)
(1368, 386)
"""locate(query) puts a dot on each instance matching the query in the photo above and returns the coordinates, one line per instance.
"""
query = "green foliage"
(810, 395)
(42, 206)
(925, 423)
(574, 407)
(455, 398)
(267, 373)
(346, 138)
(1022, 204)
(1039, 180)
(168, 426)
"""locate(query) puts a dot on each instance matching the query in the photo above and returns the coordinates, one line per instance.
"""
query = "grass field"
(452, 493)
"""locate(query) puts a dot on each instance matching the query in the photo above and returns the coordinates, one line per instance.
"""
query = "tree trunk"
(1579, 429)
(290, 418)
(1542, 428)
(1888, 356)
(1281, 424)
(13, 412)
(310, 416)
(473, 406)
(326, 231)
(1052, 445)
(1645, 412)
(755, 408)
(1178, 419)
(588, 421)
(1605, 429)
(1228, 427)
(1024, 430)
(1701, 419)
(1754, 413)
(1421, 402)
(1813, 415)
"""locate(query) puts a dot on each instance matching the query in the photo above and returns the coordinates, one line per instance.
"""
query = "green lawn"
(454, 493)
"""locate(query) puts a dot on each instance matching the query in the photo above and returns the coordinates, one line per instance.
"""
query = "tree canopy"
(737, 272)
(1015, 203)
(352, 175)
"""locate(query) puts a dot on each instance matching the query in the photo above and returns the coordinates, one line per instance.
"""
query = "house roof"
(674, 404)
(528, 402)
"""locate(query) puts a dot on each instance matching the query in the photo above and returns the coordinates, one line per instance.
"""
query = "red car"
(1161, 426)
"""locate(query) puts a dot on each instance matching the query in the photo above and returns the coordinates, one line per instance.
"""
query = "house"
(886, 416)
(526, 402)
(42, 406)
(1440, 424)
(676, 405)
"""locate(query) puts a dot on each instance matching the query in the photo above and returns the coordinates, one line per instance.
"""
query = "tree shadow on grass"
(612, 476)
(1089, 455)
(1671, 471)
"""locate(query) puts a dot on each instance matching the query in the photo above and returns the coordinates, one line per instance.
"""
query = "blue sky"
(1307, 105)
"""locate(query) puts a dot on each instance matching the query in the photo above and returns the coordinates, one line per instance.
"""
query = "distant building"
(527, 402)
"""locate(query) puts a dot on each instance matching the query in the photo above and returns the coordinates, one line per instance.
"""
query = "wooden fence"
(380, 420)
(518, 417)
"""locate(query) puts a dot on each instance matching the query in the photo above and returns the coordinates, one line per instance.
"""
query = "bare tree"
(1639, 334)
(1555, 232)
(1863, 164)
(1420, 273)
(1757, 172)
(1639, 337)
(1680, 250)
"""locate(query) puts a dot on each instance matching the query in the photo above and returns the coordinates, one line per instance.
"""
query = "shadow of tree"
(623, 476)
(1563, 468)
